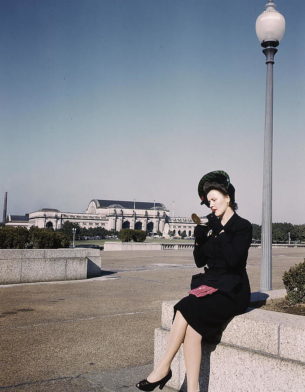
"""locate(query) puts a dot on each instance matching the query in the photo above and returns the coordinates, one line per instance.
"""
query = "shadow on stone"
(204, 379)
(258, 299)
(93, 270)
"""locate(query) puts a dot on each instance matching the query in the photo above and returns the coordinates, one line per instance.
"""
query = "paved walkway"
(97, 334)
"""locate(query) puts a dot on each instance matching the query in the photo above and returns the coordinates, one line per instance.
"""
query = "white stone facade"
(112, 215)
(55, 219)
(177, 225)
(18, 221)
(145, 216)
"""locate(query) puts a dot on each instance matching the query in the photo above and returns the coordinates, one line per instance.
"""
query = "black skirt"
(210, 315)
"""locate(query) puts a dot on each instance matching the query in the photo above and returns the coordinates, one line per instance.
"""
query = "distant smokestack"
(5, 208)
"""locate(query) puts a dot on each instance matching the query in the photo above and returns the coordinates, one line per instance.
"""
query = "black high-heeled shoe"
(145, 385)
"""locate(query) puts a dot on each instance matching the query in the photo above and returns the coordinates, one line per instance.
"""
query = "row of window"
(82, 217)
(180, 227)
(91, 224)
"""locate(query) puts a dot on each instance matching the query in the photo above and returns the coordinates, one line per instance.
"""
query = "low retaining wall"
(116, 246)
(113, 246)
(260, 351)
(41, 265)
(177, 246)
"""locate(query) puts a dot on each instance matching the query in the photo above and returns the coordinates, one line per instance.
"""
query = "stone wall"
(41, 265)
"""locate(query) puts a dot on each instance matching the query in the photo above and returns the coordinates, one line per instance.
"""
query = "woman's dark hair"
(209, 186)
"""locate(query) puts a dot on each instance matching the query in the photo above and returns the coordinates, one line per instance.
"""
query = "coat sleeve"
(235, 246)
(201, 236)
(200, 254)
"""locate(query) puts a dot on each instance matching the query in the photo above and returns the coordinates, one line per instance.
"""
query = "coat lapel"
(228, 226)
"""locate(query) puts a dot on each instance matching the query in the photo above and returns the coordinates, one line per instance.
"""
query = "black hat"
(214, 178)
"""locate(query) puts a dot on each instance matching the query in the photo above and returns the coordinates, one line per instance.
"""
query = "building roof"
(138, 205)
(19, 218)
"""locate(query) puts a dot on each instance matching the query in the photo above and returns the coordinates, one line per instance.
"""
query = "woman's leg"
(192, 358)
(175, 339)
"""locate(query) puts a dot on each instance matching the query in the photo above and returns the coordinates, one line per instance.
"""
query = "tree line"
(282, 232)
(85, 233)
(34, 238)
(20, 237)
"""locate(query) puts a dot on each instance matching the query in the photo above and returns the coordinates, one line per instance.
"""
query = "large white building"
(111, 215)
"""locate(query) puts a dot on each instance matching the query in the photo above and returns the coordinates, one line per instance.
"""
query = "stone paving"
(97, 334)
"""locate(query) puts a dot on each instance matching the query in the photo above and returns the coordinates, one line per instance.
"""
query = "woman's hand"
(200, 233)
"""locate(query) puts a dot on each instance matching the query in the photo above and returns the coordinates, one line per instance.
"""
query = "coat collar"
(231, 221)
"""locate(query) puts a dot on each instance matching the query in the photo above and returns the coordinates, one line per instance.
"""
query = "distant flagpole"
(5, 208)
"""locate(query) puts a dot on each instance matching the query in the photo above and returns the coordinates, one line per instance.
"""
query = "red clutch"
(202, 291)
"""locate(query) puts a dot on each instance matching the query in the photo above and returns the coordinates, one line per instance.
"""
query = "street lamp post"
(270, 29)
(73, 235)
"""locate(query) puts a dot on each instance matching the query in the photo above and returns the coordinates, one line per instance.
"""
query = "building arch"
(49, 225)
(150, 227)
(126, 225)
(138, 225)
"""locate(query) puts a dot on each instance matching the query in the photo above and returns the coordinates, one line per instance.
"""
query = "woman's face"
(218, 202)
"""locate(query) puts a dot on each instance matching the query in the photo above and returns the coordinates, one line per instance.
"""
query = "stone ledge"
(227, 368)
(266, 296)
(42, 253)
(260, 330)
(265, 349)
(43, 265)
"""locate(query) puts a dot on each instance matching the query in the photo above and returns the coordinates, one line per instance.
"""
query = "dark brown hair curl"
(209, 186)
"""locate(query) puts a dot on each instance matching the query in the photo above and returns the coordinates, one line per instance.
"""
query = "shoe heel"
(162, 385)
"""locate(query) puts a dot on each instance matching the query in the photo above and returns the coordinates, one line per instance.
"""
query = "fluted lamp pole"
(270, 29)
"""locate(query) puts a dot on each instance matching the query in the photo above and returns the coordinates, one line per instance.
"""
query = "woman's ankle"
(163, 365)
(158, 372)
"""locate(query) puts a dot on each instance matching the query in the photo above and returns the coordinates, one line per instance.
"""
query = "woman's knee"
(179, 317)
(193, 334)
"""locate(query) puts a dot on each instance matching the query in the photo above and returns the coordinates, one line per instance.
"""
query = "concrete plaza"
(97, 334)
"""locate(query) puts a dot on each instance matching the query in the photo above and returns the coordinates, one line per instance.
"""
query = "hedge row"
(35, 238)
(127, 235)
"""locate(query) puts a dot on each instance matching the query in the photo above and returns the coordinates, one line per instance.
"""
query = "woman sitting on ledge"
(218, 294)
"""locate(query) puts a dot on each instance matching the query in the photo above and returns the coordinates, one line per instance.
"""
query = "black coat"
(224, 256)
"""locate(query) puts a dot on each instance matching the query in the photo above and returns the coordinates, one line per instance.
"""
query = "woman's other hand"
(215, 224)
(200, 233)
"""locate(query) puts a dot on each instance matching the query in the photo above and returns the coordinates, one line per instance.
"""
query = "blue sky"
(137, 99)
